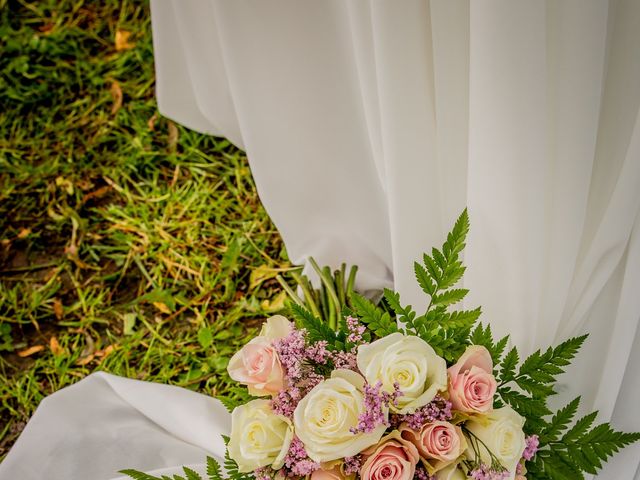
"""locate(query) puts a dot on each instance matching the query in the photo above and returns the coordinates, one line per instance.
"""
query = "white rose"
(276, 327)
(324, 417)
(259, 437)
(409, 361)
(501, 432)
(452, 472)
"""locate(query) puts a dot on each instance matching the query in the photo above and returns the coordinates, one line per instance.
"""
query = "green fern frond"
(214, 472)
(136, 475)
(375, 318)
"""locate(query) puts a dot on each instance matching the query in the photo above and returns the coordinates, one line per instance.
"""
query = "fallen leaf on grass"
(55, 347)
(129, 322)
(173, 136)
(65, 184)
(57, 309)
(84, 184)
(47, 28)
(162, 307)
(260, 274)
(152, 122)
(122, 40)
(30, 351)
(105, 351)
(100, 192)
(24, 233)
(276, 304)
(82, 361)
(116, 94)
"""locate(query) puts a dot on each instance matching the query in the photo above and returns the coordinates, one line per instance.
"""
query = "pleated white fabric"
(370, 124)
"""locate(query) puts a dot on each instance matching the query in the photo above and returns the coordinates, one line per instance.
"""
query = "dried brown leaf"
(162, 307)
(85, 360)
(89, 346)
(122, 40)
(30, 351)
(116, 94)
(55, 347)
(152, 122)
(57, 308)
(173, 136)
(106, 351)
(100, 192)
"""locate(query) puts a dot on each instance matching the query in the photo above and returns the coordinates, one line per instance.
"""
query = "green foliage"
(536, 377)
(483, 336)
(6, 340)
(446, 331)
(214, 472)
(213, 469)
(231, 467)
(377, 320)
(317, 330)
(570, 452)
(234, 397)
(443, 269)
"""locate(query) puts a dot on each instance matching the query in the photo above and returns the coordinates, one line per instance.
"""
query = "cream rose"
(276, 327)
(257, 365)
(452, 472)
(324, 417)
(409, 361)
(258, 436)
(471, 381)
(501, 431)
(439, 443)
(394, 458)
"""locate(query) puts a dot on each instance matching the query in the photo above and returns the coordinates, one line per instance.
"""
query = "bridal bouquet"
(353, 389)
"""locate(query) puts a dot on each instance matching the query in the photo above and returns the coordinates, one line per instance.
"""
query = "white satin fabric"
(370, 124)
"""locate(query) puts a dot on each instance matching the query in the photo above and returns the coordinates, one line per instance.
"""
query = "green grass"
(127, 243)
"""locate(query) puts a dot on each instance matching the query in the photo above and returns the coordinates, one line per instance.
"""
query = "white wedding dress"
(369, 125)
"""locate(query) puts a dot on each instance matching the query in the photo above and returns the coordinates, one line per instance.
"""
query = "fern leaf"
(560, 421)
(424, 279)
(376, 319)
(191, 475)
(580, 428)
(461, 318)
(136, 475)
(449, 297)
(213, 469)
(317, 330)
(508, 366)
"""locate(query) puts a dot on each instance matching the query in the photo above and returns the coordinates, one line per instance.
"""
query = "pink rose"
(333, 474)
(394, 458)
(258, 367)
(471, 381)
(439, 443)
(437, 440)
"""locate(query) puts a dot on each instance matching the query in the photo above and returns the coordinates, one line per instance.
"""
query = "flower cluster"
(387, 410)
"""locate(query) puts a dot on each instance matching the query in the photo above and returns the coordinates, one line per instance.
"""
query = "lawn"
(128, 244)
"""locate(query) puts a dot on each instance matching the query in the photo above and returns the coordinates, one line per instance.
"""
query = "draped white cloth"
(369, 125)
